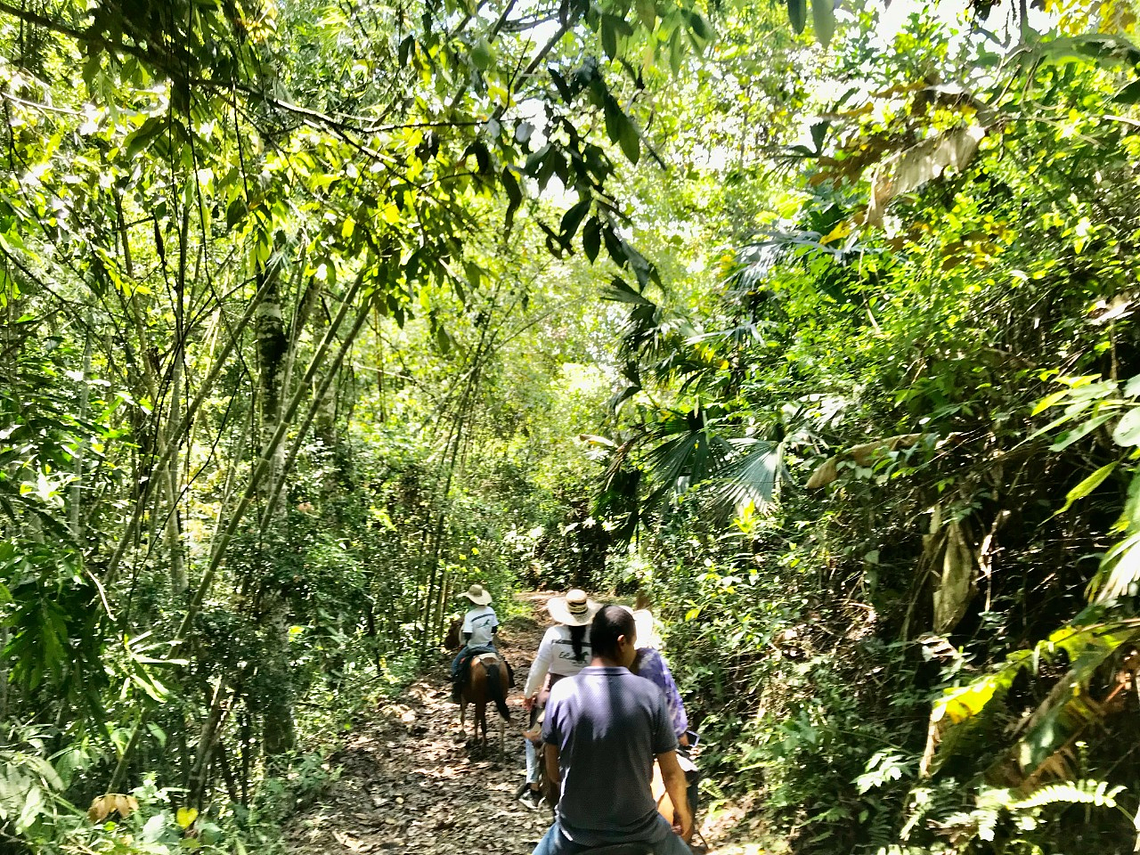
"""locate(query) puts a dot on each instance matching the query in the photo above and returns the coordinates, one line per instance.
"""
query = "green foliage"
(959, 241)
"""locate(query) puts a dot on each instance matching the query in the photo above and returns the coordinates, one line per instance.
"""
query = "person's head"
(613, 635)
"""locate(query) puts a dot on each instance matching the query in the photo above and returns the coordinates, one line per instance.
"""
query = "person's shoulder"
(649, 656)
(643, 685)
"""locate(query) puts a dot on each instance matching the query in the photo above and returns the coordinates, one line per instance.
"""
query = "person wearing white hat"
(603, 732)
(478, 633)
(563, 652)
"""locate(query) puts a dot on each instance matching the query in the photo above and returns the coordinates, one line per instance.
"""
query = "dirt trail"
(410, 784)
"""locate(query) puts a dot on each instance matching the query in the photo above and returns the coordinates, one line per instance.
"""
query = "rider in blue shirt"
(602, 731)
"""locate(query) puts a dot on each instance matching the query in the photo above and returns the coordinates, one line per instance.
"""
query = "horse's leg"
(481, 720)
(504, 682)
(502, 738)
(478, 691)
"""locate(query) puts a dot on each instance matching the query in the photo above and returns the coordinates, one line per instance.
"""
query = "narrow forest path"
(409, 784)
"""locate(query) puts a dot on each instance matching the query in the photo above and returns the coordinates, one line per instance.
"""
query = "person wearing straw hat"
(602, 734)
(478, 633)
(563, 652)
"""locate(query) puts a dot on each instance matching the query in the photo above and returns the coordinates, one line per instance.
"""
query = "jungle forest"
(811, 323)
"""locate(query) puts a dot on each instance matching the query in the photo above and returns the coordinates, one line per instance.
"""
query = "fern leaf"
(1070, 792)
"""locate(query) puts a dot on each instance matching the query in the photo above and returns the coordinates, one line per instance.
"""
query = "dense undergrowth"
(896, 468)
(302, 334)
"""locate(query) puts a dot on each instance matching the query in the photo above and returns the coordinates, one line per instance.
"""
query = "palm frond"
(690, 453)
(752, 476)
(975, 713)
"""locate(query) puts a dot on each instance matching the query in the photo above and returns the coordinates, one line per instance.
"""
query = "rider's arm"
(466, 631)
(675, 786)
(541, 665)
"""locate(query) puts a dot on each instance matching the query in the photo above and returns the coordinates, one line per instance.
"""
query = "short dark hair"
(610, 622)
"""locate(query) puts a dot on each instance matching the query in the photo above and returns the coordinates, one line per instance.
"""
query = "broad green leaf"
(592, 238)
(1087, 485)
(474, 274)
(630, 141)
(1119, 572)
(797, 14)
(1129, 94)
(407, 47)
(157, 732)
(614, 117)
(1127, 431)
(147, 133)
(823, 20)
(443, 339)
(676, 52)
(514, 194)
(620, 129)
(482, 54)
(1048, 401)
(33, 807)
(1132, 387)
(615, 246)
(573, 218)
(647, 12)
(154, 829)
(700, 27)
(609, 35)
(1080, 432)
(235, 212)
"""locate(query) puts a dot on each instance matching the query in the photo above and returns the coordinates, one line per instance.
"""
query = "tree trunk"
(75, 518)
(278, 730)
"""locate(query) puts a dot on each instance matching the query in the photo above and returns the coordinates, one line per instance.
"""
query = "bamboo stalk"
(187, 419)
(221, 543)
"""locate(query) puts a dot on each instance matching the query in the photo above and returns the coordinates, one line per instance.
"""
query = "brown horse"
(486, 681)
(452, 641)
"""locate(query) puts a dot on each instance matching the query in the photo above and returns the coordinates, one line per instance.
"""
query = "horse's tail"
(495, 688)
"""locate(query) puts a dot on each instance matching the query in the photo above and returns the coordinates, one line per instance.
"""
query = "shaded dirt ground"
(410, 783)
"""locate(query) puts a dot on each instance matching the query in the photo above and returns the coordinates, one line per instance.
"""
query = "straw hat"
(477, 594)
(575, 609)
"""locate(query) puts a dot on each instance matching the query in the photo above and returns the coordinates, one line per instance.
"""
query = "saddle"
(622, 849)
(486, 655)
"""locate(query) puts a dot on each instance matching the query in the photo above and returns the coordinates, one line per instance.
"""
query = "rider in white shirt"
(478, 632)
(563, 652)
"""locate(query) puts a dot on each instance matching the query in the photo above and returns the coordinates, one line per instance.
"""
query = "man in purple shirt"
(602, 731)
